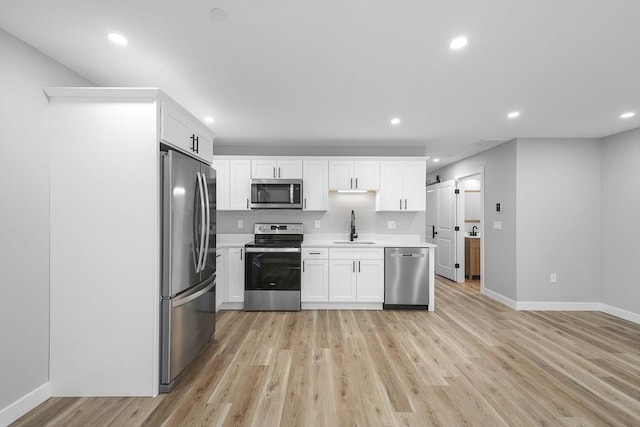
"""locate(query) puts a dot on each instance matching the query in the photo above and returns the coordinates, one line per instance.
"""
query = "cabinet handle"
(305, 203)
(358, 266)
(247, 203)
(400, 204)
(240, 254)
(218, 256)
(279, 172)
(193, 142)
(356, 182)
(303, 266)
(351, 184)
(197, 144)
(314, 253)
(274, 172)
(405, 204)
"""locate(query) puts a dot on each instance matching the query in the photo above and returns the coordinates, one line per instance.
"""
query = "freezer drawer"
(188, 324)
(406, 278)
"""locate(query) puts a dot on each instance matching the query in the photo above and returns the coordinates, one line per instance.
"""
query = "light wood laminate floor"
(471, 362)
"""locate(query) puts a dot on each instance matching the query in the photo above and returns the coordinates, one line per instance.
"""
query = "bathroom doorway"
(471, 219)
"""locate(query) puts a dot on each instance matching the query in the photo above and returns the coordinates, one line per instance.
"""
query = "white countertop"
(328, 241)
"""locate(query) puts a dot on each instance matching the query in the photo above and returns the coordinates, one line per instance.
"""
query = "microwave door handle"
(202, 223)
(291, 193)
(208, 222)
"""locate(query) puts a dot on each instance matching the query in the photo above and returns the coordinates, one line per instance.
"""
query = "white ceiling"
(335, 72)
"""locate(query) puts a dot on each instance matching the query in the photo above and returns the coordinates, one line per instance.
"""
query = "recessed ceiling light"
(218, 14)
(209, 119)
(513, 114)
(436, 160)
(627, 115)
(118, 39)
(395, 121)
(458, 43)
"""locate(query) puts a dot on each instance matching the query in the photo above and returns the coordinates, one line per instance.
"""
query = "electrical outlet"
(553, 278)
(316, 224)
(497, 225)
(240, 223)
(391, 225)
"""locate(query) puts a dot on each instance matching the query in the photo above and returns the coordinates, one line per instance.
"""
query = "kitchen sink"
(355, 242)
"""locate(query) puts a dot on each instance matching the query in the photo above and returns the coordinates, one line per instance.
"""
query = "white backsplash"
(334, 221)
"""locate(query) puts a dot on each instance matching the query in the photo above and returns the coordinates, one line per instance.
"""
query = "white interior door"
(445, 221)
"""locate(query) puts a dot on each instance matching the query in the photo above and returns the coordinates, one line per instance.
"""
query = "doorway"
(470, 240)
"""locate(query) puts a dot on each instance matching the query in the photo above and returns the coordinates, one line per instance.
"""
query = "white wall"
(335, 220)
(621, 220)
(24, 215)
(499, 186)
(558, 222)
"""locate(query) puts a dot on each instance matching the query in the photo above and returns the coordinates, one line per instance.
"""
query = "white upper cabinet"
(354, 175)
(402, 186)
(239, 184)
(270, 169)
(222, 184)
(315, 185)
(181, 130)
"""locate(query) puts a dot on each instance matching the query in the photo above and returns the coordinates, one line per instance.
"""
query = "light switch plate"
(316, 224)
(240, 223)
(391, 225)
(497, 225)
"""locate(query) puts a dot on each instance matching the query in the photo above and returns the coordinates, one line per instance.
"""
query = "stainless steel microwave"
(276, 194)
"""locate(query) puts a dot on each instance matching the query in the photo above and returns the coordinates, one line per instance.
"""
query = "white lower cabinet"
(221, 278)
(315, 280)
(235, 275)
(342, 280)
(359, 279)
(370, 280)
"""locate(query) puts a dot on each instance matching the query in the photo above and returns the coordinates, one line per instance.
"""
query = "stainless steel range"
(272, 268)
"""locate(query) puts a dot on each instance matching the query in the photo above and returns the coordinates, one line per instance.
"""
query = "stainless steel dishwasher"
(406, 278)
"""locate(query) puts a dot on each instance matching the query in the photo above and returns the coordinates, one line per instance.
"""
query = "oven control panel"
(287, 228)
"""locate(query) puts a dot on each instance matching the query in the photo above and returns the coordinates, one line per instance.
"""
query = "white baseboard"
(25, 404)
(563, 306)
(500, 298)
(232, 306)
(623, 314)
(341, 306)
(557, 306)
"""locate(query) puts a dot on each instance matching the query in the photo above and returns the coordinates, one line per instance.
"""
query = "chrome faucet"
(352, 233)
(473, 230)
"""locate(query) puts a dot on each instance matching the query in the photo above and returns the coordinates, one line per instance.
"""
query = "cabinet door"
(222, 286)
(235, 275)
(341, 175)
(389, 198)
(263, 169)
(222, 184)
(175, 127)
(414, 176)
(370, 282)
(204, 147)
(289, 169)
(366, 174)
(315, 185)
(342, 280)
(315, 281)
(239, 184)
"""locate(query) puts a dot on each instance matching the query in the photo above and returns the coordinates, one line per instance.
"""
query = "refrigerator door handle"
(202, 215)
(208, 222)
(177, 302)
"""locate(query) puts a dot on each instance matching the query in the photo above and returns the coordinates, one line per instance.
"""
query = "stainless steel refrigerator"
(188, 279)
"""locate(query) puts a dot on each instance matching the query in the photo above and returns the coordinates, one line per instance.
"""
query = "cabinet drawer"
(315, 253)
(356, 253)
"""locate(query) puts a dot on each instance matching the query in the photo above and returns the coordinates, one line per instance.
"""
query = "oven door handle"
(272, 250)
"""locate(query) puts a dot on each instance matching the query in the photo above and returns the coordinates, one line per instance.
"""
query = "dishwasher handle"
(414, 255)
